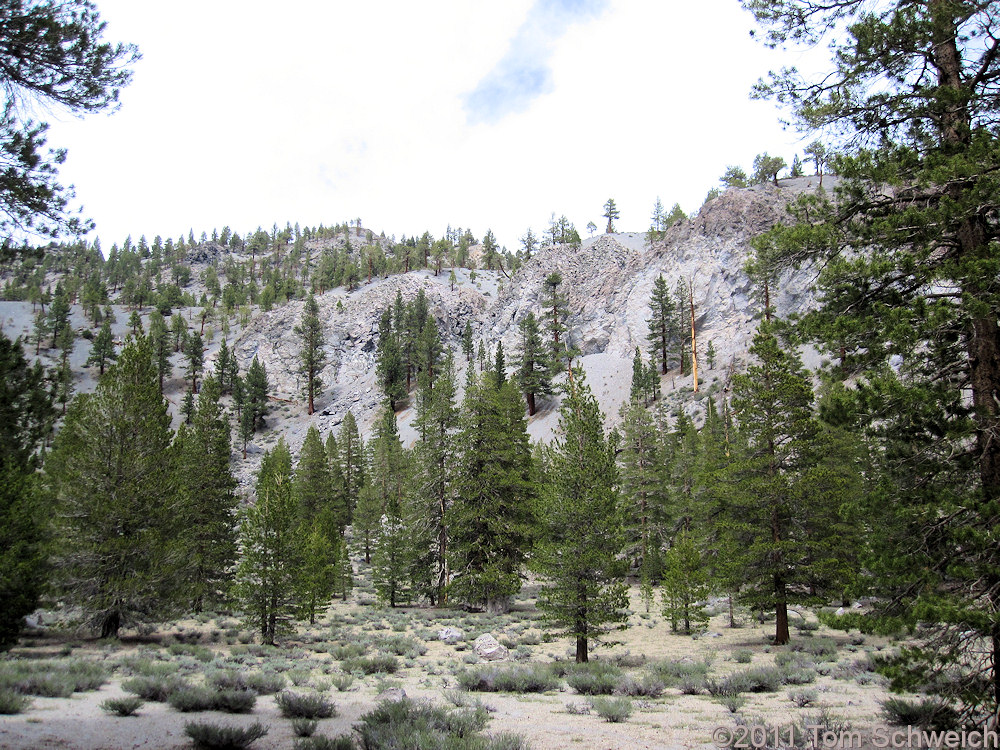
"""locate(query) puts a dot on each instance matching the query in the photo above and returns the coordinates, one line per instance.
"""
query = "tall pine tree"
(582, 535)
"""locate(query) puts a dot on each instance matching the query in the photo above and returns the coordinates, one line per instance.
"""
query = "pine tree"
(911, 236)
(772, 403)
(255, 402)
(314, 487)
(663, 325)
(384, 507)
(103, 349)
(434, 456)
(317, 576)
(120, 540)
(578, 551)
(159, 338)
(312, 358)
(390, 367)
(337, 501)
(533, 373)
(685, 584)
(491, 517)
(135, 323)
(59, 311)
(343, 575)
(26, 417)
(195, 352)
(467, 346)
(611, 213)
(352, 462)
(207, 499)
(643, 491)
(179, 329)
(681, 294)
(268, 569)
(556, 312)
(391, 557)
(223, 368)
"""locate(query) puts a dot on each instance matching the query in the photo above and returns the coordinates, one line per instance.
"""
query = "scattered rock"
(391, 694)
(450, 635)
(489, 648)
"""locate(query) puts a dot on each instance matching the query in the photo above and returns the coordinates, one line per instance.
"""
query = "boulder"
(450, 635)
(489, 648)
(391, 694)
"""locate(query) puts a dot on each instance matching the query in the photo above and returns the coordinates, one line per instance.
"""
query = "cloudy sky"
(417, 115)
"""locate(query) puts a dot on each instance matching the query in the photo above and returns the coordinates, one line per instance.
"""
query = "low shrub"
(823, 649)
(302, 727)
(208, 736)
(261, 683)
(12, 703)
(202, 653)
(743, 656)
(801, 676)
(320, 742)
(594, 678)
(204, 698)
(298, 677)
(927, 713)
(235, 701)
(52, 679)
(802, 698)
(649, 686)
(411, 723)
(157, 689)
(674, 673)
(126, 706)
(304, 705)
(377, 664)
(342, 681)
(192, 698)
(753, 680)
(400, 645)
(529, 678)
(614, 710)
(732, 702)
(348, 651)
(693, 684)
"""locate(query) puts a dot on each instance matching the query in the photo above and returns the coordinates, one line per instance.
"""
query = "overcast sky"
(417, 115)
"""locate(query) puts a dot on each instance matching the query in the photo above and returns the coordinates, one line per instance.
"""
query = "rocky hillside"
(608, 282)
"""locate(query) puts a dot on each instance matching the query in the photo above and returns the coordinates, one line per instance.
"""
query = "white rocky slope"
(608, 282)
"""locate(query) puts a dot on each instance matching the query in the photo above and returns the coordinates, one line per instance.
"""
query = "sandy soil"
(671, 721)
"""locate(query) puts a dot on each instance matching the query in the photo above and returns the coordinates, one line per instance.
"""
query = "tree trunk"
(781, 636)
(694, 341)
(498, 605)
(530, 397)
(110, 625)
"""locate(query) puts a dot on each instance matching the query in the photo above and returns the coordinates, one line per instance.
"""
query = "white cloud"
(248, 114)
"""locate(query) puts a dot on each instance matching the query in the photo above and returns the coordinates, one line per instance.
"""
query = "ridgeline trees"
(906, 249)
(611, 213)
